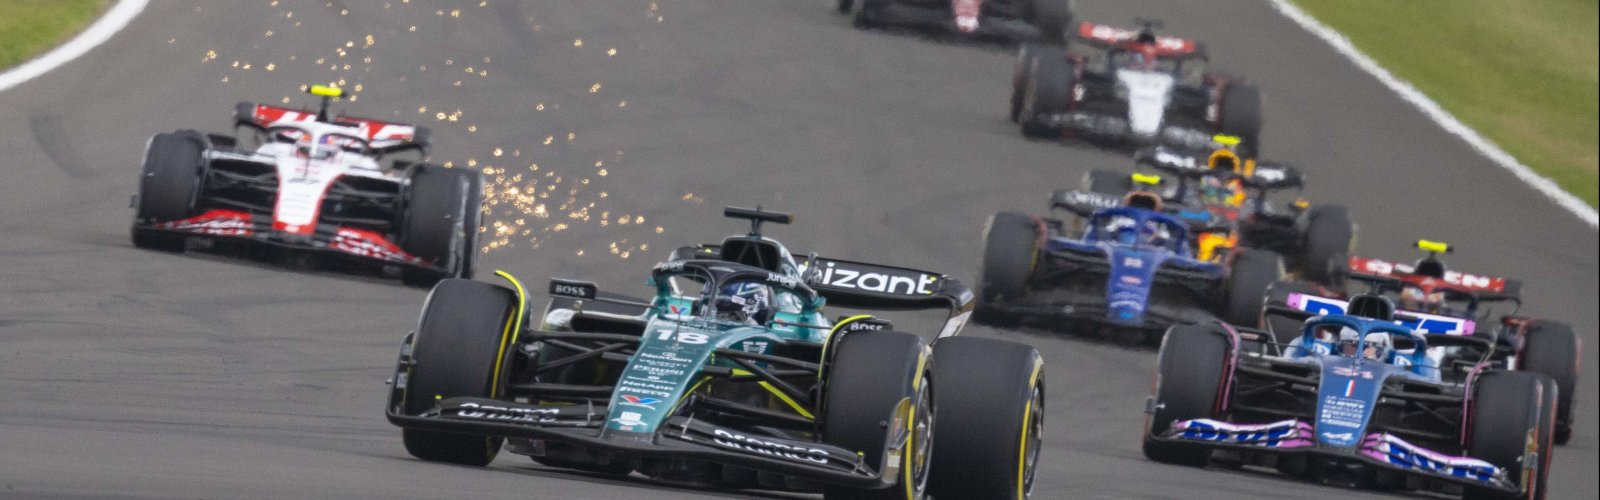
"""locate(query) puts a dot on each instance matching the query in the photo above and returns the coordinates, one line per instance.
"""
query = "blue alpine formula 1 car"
(1354, 401)
(729, 376)
(1130, 268)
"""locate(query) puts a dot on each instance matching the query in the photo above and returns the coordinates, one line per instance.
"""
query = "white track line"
(1445, 120)
(98, 33)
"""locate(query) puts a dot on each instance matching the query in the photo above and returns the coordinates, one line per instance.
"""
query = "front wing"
(680, 437)
(243, 226)
(1378, 449)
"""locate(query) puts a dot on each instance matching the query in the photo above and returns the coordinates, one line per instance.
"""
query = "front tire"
(991, 418)
(1506, 407)
(459, 338)
(169, 188)
(1190, 378)
(870, 374)
(441, 221)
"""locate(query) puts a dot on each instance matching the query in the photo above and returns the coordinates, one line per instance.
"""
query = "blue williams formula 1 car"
(1130, 269)
(730, 376)
(1353, 401)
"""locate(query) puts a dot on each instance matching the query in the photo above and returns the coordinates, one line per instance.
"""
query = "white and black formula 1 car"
(997, 19)
(306, 181)
(1125, 87)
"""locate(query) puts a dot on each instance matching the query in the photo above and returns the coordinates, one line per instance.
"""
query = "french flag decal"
(1350, 389)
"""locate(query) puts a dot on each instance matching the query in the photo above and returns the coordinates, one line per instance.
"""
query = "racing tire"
(1052, 17)
(1241, 116)
(169, 188)
(1027, 58)
(1047, 91)
(1252, 272)
(1107, 182)
(1010, 253)
(1505, 407)
(1552, 349)
(870, 374)
(1191, 372)
(459, 339)
(868, 12)
(441, 222)
(991, 418)
(1330, 237)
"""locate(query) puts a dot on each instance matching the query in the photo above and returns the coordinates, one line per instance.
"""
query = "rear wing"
(1263, 175)
(382, 135)
(1301, 306)
(859, 285)
(1109, 36)
(1083, 203)
(1485, 287)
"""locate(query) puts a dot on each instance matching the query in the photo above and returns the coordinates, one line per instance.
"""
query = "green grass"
(30, 27)
(1521, 72)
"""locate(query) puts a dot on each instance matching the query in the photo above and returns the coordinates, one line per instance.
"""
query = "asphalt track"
(130, 373)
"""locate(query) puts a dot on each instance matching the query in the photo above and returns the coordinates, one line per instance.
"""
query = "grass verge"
(30, 27)
(1523, 72)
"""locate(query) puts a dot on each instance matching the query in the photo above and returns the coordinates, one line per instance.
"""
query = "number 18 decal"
(684, 337)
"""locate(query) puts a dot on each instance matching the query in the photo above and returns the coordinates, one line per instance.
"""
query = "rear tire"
(1053, 18)
(169, 188)
(441, 222)
(1189, 380)
(458, 340)
(1048, 91)
(1107, 182)
(991, 411)
(1248, 278)
(1027, 59)
(869, 12)
(1506, 405)
(870, 374)
(1330, 237)
(1010, 253)
(1241, 116)
(1551, 348)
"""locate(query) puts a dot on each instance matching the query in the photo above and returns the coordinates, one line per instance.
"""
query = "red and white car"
(306, 181)
(1013, 19)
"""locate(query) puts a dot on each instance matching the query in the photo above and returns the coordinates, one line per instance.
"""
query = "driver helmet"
(1417, 299)
(1143, 199)
(1145, 55)
(1215, 191)
(1121, 228)
(744, 302)
(1375, 346)
(1156, 234)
